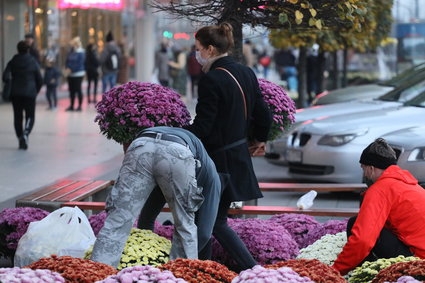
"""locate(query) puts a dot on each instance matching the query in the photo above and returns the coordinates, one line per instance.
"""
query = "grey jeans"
(150, 162)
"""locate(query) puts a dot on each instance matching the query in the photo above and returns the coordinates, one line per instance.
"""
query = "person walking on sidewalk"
(92, 65)
(109, 60)
(75, 71)
(51, 80)
(175, 160)
(26, 79)
(230, 106)
(391, 218)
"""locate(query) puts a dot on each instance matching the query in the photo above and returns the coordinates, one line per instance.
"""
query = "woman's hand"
(257, 148)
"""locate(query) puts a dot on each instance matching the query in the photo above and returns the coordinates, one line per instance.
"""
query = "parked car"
(368, 91)
(391, 100)
(409, 145)
(328, 150)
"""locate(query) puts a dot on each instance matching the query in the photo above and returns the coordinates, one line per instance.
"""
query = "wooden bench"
(245, 210)
(51, 197)
(305, 187)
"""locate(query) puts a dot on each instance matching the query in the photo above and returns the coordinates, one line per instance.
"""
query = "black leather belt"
(163, 136)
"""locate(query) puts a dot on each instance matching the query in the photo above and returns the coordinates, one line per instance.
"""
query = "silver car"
(328, 150)
(409, 145)
(392, 100)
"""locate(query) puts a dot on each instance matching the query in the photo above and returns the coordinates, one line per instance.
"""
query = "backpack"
(111, 62)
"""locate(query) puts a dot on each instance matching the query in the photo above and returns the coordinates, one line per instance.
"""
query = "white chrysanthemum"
(326, 249)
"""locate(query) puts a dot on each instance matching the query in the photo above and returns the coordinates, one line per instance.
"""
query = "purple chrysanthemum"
(328, 227)
(145, 273)
(127, 109)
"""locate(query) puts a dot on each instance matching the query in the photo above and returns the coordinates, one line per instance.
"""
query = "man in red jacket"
(392, 215)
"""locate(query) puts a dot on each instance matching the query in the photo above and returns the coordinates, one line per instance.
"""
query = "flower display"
(18, 275)
(311, 268)
(165, 231)
(267, 242)
(14, 223)
(415, 269)
(326, 249)
(328, 227)
(369, 269)
(143, 247)
(142, 274)
(261, 274)
(407, 279)
(74, 269)
(280, 104)
(199, 271)
(298, 225)
(127, 109)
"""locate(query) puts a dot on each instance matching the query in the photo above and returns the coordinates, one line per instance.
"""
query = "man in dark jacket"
(26, 83)
(109, 60)
(29, 40)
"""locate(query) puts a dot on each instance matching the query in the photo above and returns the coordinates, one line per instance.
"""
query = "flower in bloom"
(298, 225)
(369, 269)
(326, 249)
(17, 275)
(14, 223)
(74, 269)
(142, 274)
(199, 271)
(311, 268)
(392, 273)
(280, 104)
(328, 227)
(127, 109)
(407, 279)
(143, 247)
(261, 274)
(266, 241)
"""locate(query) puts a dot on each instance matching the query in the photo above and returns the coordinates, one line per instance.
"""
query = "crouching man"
(391, 218)
(176, 161)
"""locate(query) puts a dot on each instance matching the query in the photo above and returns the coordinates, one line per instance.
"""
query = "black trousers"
(21, 105)
(387, 245)
(92, 77)
(74, 85)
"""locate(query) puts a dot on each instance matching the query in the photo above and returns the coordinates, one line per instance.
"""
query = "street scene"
(212, 141)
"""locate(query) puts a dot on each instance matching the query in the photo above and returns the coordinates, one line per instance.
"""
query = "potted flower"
(127, 109)
(280, 104)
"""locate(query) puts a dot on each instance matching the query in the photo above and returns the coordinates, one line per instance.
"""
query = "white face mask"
(199, 58)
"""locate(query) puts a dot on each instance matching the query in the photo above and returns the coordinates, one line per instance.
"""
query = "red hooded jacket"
(395, 201)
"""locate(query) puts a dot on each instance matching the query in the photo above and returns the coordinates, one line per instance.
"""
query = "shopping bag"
(65, 231)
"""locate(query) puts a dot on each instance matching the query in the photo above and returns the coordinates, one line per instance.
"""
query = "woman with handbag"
(232, 120)
(26, 82)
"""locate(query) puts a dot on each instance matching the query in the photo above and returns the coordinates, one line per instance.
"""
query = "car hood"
(390, 119)
(408, 137)
(368, 91)
(321, 112)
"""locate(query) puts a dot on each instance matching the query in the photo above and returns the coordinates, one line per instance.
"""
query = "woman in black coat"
(92, 65)
(226, 118)
(26, 83)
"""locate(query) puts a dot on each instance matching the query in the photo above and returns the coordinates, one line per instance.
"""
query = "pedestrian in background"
(161, 64)
(29, 39)
(75, 72)
(230, 106)
(26, 79)
(178, 69)
(109, 61)
(51, 80)
(123, 69)
(194, 69)
(92, 70)
(286, 66)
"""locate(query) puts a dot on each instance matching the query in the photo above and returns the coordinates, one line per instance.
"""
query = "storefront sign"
(86, 4)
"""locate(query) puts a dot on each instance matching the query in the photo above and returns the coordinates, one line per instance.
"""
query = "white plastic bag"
(306, 200)
(65, 231)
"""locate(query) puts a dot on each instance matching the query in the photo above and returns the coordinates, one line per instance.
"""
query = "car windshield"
(418, 101)
(408, 91)
(400, 79)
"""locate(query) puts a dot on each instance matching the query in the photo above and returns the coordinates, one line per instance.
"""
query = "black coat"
(220, 121)
(26, 76)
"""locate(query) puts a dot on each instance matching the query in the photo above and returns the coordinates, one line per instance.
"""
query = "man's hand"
(257, 148)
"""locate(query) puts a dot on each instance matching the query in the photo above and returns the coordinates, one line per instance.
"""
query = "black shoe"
(69, 109)
(78, 109)
(167, 223)
(23, 142)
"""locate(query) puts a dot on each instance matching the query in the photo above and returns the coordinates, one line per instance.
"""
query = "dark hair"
(379, 154)
(29, 35)
(109, 37)
(221, 37)
(22, 47)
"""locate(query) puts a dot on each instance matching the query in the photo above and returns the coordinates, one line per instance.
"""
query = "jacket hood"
(395, 172)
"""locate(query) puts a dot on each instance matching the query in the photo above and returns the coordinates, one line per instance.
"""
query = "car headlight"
(418, 154)
(339, 139)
